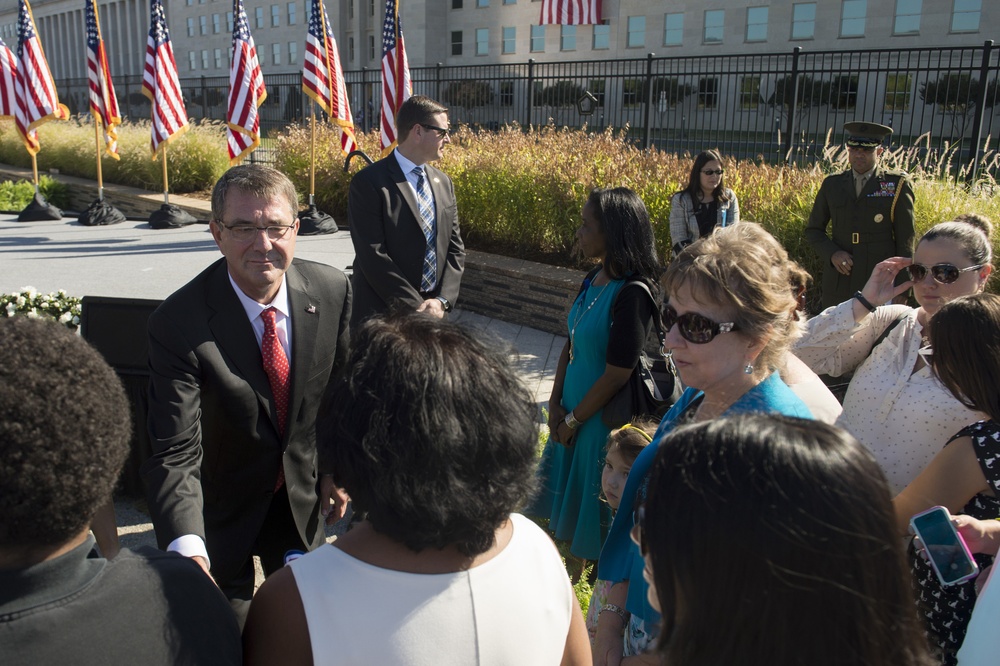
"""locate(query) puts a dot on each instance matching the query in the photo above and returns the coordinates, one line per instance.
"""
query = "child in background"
(623, 447)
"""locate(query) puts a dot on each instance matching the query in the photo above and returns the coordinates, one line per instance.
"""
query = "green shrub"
(14, 196)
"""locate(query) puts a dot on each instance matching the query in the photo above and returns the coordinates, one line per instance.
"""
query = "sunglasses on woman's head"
(695, 328)
(715, 172)
(639, 527)
(942, 273)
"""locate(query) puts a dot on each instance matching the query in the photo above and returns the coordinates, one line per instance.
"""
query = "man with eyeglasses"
(869, 210)
(409, 252)
(239, 359)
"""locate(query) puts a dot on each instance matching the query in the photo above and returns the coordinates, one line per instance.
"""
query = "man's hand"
(332, 500)
(203, 563)
(842, 261)
(432, 306)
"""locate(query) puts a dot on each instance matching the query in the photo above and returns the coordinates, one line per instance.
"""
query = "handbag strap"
(660, 334)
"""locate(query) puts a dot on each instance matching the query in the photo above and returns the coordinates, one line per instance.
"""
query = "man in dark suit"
(404, 222)
(239, 359)
(870, 212)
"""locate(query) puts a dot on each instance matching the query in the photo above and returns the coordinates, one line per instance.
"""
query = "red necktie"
(276, 367)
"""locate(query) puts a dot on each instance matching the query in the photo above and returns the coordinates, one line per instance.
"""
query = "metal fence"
(777, 106)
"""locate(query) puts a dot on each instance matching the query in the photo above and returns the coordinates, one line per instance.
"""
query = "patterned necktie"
(276, 367)
(428, 278)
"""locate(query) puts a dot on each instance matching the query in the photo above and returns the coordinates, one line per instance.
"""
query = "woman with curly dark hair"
(434, 437)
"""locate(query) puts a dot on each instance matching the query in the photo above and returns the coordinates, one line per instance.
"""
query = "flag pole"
(34, 170)
(100, 176)
(166, 193)
(312, 153)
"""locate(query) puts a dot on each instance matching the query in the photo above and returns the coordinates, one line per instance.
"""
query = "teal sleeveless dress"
(570, 478)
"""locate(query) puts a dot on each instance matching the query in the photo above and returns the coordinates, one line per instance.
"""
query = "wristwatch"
(445, 303)
(571, 421)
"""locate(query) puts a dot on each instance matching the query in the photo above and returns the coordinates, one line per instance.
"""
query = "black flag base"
(170, 217)
(313, 222)
(100, 213)
(39, 210)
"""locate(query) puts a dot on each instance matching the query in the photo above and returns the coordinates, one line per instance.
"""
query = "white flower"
(30, 292)
(11, 309)
(33, 314)
(21, 301)
(65, 317)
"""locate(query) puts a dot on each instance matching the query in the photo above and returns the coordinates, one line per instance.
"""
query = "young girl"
(623, 447)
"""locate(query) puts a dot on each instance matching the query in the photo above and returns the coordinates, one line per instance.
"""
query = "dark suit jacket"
(389, 242)
(212, 421)
(865, 226)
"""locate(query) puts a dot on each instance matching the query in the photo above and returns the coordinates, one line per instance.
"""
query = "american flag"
(323, 78)
(570, 12)
(246, 90)
(8, 81)
(395, 74)
(103, 102)
(35, 92)
(160, 84)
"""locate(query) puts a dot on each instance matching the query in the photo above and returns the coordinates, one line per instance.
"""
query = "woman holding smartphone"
(964, 477)
(704, 204)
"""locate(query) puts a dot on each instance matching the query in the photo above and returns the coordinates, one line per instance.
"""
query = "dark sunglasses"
(638, 532)
(716, 172)
(441, 131)
(695, 328)
(942, 273)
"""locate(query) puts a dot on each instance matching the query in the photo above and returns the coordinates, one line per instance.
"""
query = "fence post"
(647, 130)
(204, 98)
(792, 106)
(531, 91)
(975, 154)
(437, 81)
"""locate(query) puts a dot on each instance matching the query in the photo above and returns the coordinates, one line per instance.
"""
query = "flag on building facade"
(8, 81)
(160, 83)
(34, 90)
(570, 12)
(323, 77)
(395, 74)
(103, 102)
(246, 90)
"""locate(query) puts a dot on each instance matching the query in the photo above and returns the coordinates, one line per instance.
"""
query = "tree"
(811, 93)
(468, 94)
(560, 93)
(958, 96)
(671, 90)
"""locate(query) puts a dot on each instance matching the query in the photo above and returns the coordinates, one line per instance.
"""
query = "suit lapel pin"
(311, 309)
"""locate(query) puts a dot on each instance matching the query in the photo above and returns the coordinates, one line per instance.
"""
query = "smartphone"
(946, 550)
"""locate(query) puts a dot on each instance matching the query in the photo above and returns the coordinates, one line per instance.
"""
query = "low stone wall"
(512, 290)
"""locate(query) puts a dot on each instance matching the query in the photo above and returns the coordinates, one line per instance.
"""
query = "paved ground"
(131, 260)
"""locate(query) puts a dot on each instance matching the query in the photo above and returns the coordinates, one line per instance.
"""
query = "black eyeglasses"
(942, 273)
(638, 532)
(715, 172)
(441, 131)
(695, 328)
(245, 233)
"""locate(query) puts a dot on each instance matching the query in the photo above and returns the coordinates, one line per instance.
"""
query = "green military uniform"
(871, 227)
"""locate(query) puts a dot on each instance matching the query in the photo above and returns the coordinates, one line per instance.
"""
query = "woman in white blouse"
(894, 404)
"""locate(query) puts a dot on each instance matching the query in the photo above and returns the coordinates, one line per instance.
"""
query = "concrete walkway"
(131, 260)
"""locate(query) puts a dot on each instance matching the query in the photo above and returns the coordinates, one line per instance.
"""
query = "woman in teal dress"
(608, 324)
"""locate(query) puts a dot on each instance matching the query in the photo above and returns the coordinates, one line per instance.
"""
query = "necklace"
(586, 290)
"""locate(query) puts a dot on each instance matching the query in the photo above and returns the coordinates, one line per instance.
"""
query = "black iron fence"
(777, 106)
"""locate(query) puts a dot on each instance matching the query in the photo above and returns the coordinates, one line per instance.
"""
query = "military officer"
(871, 211)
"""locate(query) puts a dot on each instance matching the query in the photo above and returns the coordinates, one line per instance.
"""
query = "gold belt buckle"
(855, 239)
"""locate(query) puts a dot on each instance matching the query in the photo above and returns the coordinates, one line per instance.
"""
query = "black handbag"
(652, 387)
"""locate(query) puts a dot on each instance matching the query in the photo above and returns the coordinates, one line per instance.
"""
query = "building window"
(456, 42)
(293, 53)
(673, 29)
(803, 20)
(510, 2)
(350, 9)
(350, 48)
(537, 38)
(218, 58)
(596, 88)
(907, 17)
(216, 24)
(275, 16)
(190, 2)
(190, 23)
(371, 47)
(844, 92)
(567, 38)
(482, 3)
(631, 92)
(192, 62)
(708, 93)
(482, 41)
(204, 58)
(229, 22)
(509, 40)
(291, 14)
(852, 18)
(456, 4)
(750, 92)
(965, 16)
(506, 93)
(602, 36)
(203, 25)
(715, 21)
(259, 18)
(371, 7)
(756, 24)
(636, 32)
(275, 54)
(897, 92)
